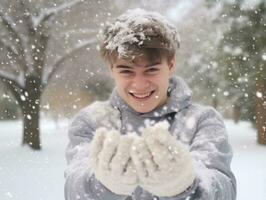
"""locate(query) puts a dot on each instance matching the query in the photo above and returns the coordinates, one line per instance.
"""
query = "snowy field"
(28, 175)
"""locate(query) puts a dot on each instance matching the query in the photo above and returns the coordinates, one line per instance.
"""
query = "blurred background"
(50, 68)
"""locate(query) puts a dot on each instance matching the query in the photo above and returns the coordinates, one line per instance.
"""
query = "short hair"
(136, 33)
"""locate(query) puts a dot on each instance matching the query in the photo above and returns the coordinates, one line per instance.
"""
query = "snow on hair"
(138, 29)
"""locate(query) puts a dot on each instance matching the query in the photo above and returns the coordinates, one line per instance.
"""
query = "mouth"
(142, 96)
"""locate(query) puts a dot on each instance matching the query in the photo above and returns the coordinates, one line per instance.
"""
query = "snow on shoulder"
(138, 26)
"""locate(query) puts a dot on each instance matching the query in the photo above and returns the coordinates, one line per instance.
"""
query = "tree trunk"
(261, 110)
(31, 130)
(215, 102)
(236, 113)
(31, 110)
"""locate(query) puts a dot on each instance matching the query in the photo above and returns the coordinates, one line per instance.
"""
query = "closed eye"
(125, 72)
(152, 70)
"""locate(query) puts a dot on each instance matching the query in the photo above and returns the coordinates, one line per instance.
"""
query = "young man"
(148, 141)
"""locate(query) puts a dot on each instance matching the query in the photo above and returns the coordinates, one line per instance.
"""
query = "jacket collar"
(179, 97)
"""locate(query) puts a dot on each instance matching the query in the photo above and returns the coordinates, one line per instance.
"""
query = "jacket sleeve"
(213, 154)
(80, 183)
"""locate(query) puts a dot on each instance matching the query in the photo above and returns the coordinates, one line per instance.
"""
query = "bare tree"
(23, 52)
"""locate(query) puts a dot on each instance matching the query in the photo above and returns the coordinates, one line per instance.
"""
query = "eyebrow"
(124, 67)
(129, 67)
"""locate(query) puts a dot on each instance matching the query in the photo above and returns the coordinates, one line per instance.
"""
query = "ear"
(172, 65)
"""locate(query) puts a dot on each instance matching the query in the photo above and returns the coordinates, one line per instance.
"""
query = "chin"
(143, 110)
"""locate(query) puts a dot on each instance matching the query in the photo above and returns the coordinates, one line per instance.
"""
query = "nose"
(140, 83)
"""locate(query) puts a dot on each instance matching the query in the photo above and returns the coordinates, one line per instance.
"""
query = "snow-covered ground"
(28, 175)
(249, 161)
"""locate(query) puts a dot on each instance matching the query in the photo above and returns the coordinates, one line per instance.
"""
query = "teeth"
(142, 95)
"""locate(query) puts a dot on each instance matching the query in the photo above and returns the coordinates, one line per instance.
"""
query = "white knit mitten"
(163, 164)
(111, 163)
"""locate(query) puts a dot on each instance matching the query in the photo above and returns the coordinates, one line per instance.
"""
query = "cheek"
(121, 84)
(160, 80)
(163, 84)
(118, 79)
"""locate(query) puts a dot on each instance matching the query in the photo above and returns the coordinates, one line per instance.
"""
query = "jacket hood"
(179, 97)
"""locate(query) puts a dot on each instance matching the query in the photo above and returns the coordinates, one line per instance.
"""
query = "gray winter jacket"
(199, 127)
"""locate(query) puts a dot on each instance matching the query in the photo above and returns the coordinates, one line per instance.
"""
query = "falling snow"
(259, 94)
(220, 66)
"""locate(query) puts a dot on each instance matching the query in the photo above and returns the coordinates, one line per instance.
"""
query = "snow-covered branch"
(20, 41)
(8, 47)
(13, 88)
(68, 54)
(14, 54)
(47, 13)
(78, 31)
(12, 79)
(9, 24)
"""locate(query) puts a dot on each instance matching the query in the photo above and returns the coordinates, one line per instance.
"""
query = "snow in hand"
(29, 175)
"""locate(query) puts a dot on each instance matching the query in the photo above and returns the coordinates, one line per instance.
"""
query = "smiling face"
(143, 84)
